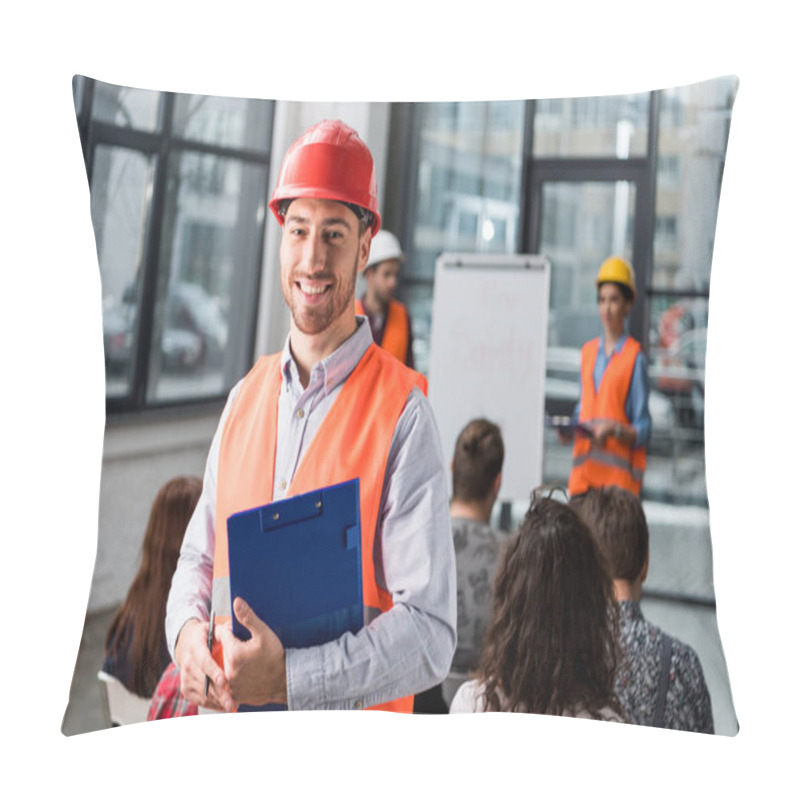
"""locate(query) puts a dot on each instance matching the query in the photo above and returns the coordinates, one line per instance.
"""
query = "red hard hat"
(328, 162)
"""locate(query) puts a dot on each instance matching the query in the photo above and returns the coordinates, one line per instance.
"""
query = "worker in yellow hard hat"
(612, 415)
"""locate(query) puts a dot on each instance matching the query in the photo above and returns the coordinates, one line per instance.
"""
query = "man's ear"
(364, 245)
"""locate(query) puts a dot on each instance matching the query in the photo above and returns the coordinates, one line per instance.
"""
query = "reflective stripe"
(609, 459)
(221, 596)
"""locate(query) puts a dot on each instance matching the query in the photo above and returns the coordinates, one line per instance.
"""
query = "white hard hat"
(384, 247)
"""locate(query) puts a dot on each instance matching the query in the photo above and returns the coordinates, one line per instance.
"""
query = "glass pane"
(78, 91)
(468, 181)
(121, 187)
(418, 299)
(584, 127)
(223, 121)
(582, 224)
(126, 107)
(692, 140)
(677, 359)
(211, 242)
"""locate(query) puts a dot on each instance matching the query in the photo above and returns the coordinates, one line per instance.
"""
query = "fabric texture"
(167, 700)
(118, 662)
(469, 700)
(687, 705)
(478, 547)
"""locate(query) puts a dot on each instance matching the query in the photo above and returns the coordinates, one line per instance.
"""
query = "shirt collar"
(617, 347)
(333, 369)
(630, 609)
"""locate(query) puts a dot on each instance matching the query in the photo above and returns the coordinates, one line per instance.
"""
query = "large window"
(466, 195)
(577, 180)
(178, 198)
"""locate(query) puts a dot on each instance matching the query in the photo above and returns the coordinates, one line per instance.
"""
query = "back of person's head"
(141, 616)
(616, 518)
(477, 460)
(551, 645)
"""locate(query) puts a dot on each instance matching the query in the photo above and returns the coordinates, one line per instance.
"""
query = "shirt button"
(300, 413)
(283, 484)
(330, 382)
(359, 704)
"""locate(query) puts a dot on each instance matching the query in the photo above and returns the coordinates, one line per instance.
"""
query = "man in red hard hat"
(330, 407)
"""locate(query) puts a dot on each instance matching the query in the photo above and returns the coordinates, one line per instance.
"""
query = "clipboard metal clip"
(291, 510)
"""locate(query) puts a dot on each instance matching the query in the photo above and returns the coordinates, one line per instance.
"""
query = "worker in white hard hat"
(612, 415)
(388, 318)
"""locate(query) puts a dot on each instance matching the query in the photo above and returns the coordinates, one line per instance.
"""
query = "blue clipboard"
(297, 563)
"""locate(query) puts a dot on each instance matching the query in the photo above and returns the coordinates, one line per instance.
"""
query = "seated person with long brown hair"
(136, 648)
(551, 645)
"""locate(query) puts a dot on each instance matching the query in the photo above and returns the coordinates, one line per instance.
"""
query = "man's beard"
(313, 320)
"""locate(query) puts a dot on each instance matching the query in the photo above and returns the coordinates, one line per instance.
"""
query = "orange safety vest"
(395, 329)
(352, 441)
(614, 463)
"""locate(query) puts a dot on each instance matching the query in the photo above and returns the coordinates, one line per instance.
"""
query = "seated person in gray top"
(660, 680)
(477, 472)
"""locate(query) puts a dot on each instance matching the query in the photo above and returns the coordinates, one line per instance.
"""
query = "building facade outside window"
(178, 198)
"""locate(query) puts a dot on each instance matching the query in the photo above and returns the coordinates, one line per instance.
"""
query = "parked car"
(195, 331)
(181, 350)
(117, 338)
(679, 371)
(190, 308)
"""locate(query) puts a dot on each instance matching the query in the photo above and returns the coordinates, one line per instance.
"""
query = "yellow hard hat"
(617, 270)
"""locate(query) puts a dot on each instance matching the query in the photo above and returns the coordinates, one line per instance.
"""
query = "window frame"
(162, 145)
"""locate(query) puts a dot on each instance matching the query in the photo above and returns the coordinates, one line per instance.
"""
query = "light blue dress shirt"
(402, 651)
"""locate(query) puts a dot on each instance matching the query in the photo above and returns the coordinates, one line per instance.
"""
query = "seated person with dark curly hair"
(551, 644)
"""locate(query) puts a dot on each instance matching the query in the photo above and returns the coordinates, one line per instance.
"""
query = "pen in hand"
(210, 643)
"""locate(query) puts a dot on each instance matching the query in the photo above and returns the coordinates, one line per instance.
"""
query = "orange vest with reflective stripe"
(615, 463)
(395, 329)
(352, 441)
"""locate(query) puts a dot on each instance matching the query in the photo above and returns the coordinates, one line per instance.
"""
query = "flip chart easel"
(488, 356)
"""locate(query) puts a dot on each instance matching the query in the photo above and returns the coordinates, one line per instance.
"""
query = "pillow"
(188, 257)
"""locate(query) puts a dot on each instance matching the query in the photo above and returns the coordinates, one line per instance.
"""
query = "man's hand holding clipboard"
(256, 668)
